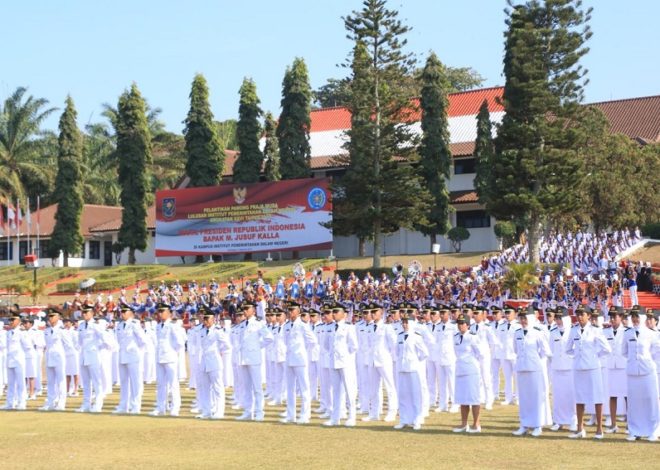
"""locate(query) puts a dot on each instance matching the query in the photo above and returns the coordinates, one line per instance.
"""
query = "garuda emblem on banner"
(169, 207)
(239, 195)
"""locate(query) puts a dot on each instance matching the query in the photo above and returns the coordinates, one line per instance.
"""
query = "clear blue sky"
(95, 49)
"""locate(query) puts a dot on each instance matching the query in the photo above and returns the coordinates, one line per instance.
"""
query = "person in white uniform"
(617, 389)
(342, 344)
(54, 335)
(91, 338)
(132, 341)
(643, 405)
(586, 344)
(507, 354)
(468, 392)
(531, 348)
(168, 344)
(214, 342)
(299, 338)
(561, 372)
(488, 341)
(254, 337)
(17, 343)
(72, 357)
(411, 353)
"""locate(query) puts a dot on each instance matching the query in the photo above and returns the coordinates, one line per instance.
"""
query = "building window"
(44, 246)
(94, 249)
(472, 219)
(464, 166)
(3, 251)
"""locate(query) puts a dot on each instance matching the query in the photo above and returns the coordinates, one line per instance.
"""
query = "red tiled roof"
(638, 118)
(460, 104)
(461, 149)
(92, 216)
(463, 197)
(114, 224)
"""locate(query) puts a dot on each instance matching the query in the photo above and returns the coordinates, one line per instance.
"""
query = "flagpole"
(28, 224)
(18, 230)
(38, 228)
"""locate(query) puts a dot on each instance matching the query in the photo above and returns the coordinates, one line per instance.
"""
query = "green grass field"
(33, 439)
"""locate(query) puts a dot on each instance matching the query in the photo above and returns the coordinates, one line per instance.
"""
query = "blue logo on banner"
(169, 207)
(316, 198)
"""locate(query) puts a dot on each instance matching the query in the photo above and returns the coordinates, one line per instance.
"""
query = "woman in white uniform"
(531, 348)
(467, 392)
(561, 371)
(586, 344)
(643, 407)
(411, 353)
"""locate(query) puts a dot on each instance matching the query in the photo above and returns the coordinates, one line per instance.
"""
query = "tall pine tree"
(206, 158)
(294, 124)
(484, 155)
(397, 195)
(539, 166)
(248, 165)
(68, 187)
(435, 162)
(271, 150)
(134, 151)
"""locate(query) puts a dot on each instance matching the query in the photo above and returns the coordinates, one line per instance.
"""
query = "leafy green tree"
(294, 123)
(539, 167)
(484, 154)
(25, 169)
(206, 157)
(134, 150)
(227, 134)
(435, 162)
(397, 196)
(271, 150)
(66, 235)
(247, 167)
(457, 235)
(505, 231)
(99, 186)
(351, 212)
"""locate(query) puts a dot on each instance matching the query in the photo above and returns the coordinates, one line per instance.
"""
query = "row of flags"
(11, 216)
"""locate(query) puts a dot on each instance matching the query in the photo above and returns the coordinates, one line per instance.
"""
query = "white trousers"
(130, 387)
(279, 382)
(326, 389)
(252, 392)
(16, 393)
(376, 375)
(167, 380)
(297, 379)
(313, 373)
(90, 379)
(344, 388)
(56, 399)
(212, 393)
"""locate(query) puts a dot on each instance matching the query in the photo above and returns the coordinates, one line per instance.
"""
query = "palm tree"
(100, 185)
(24, 147)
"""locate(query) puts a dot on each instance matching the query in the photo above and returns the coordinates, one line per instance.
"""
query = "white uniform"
(411, 354)
(299, 337)
(278, 357)
(487, 340)
(616, 364)
(531, 348)
(168, 344)
(17, 343)
(54, 338)
(643, 407)
(3, 360)
(313, 353)
(342, 344)
(132, 340)
(91, 338)
(506, 353)
(254, 336)
(382, 343)
(468, 370)
(585, 346)
(561, 371)
(442, 358)
(214, 341)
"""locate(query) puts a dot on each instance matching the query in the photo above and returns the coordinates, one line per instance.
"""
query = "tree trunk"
(65, 259)
(533, 235)
(362, 246)
(131, 256)
(377, 243)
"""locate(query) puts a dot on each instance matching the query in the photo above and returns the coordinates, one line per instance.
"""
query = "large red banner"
(244, 218)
